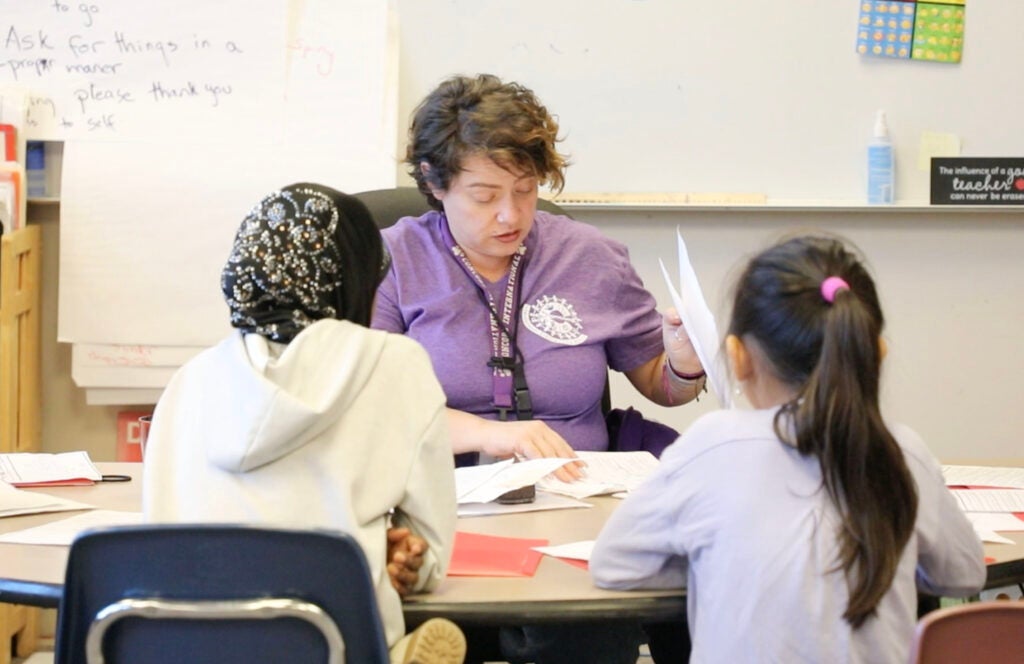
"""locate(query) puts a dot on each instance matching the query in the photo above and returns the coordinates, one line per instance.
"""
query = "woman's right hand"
(532, 439)
(528, 439)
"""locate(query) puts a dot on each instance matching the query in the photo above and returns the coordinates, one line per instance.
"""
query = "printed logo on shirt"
(554, 319)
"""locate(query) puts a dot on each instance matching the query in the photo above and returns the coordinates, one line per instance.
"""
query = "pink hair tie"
(830, 286)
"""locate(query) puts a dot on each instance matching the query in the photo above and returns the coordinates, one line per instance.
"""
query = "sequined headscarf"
(303, 253)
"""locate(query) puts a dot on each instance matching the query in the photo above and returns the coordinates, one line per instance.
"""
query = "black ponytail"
(829, 353)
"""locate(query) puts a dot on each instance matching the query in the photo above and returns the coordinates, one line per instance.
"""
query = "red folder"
(487, 555)
(9, 135)
(70, 481)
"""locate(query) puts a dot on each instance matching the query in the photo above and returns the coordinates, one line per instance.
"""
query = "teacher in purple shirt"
(521, 311)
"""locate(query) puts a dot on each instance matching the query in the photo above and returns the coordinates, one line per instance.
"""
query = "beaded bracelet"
(666, 368)
(683, 376)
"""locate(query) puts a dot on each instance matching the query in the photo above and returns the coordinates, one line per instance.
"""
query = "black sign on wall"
(977, 181)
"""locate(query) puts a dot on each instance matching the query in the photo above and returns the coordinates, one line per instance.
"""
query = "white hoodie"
(333, 431)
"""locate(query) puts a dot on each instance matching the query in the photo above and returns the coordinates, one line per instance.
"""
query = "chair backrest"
(979, 633)
(389, 205)
(218, 593)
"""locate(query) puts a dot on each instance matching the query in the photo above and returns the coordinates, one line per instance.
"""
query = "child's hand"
(405, 557)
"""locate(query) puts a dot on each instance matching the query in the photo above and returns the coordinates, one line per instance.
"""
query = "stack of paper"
(990, 500)
(25, 469)
(990, 476)
(482, 484)
(993, 498)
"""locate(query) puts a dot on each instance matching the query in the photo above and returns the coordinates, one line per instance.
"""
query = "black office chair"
(389, 205)
(217, 593)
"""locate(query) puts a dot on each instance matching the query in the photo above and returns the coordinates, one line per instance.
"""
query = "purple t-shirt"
(583, 309)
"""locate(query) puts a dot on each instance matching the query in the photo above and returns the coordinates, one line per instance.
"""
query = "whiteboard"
(150, 206)
(122, 70)
(743, 96)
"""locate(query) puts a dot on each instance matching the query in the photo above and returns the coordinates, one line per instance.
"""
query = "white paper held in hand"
(699, 323)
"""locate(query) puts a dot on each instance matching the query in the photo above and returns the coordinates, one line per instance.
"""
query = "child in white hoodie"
(304, 417)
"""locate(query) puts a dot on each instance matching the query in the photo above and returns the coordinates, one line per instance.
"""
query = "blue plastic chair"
(217, 593)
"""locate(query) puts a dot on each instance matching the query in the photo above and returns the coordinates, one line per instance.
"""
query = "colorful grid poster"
(912, 30)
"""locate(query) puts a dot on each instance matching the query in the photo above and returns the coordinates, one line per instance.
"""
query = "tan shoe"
(437, 641)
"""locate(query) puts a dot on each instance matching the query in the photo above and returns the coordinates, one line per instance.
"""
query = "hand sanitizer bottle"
(881, 164)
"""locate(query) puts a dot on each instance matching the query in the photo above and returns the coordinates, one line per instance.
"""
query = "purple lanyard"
(503, 361)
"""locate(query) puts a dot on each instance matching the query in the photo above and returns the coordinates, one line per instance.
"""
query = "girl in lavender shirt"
(802, 528)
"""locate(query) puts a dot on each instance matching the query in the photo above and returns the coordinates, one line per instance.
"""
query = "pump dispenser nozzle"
(881, 127)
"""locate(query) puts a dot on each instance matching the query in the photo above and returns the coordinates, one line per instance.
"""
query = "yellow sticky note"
(936, 144)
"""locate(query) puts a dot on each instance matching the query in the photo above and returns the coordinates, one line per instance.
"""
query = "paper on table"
(63, 532)
(14, 502)
(543, 501)
(699, 322)
(468, 478)
(488, 555)
(605, 472)
(481, 484)
(992, 537)
(34, 469)
(998, 476)
(575, 550)
(996, 521)
(984, 530)
(990, 500)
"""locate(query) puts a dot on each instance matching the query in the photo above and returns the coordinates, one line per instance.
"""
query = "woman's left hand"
(681, 354)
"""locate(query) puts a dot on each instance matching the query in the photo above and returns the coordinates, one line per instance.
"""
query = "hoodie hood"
(282, 397)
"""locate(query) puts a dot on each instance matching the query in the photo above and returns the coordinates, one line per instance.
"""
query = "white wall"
(744, 96)
(951, 285)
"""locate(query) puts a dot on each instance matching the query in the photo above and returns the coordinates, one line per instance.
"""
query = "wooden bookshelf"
(19, 393)
(19, 341)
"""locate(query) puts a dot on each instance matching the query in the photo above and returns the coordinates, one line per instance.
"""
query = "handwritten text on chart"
(122, 356)
(117, 68)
